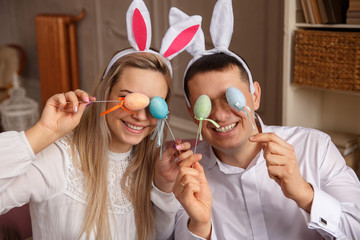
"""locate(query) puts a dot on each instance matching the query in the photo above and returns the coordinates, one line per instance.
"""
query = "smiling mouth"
(133, 127)
(225, 129)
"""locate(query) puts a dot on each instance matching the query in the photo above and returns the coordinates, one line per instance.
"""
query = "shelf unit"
(314, 107)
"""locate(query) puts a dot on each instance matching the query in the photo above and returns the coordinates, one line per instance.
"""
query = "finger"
(189, 185)
(169, 152)
(184, 171)
(73, 99)
(82, 95)
(277, 149)
(280, 172)
(191, 188)
(197, 166)
(274, 160)
(270, 137)
(57, 100)
(190, 181)
(82, 108)
(189, 161)
(183, 146)
(272, 170)
(185, 176)
(276, 179)
(185, 155)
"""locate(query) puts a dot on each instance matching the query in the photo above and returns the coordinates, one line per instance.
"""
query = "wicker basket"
(327, 59)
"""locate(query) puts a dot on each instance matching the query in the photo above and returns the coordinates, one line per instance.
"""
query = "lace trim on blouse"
(75, 188)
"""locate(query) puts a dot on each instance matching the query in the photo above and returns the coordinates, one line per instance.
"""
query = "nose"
(140, 115)
(220, 111)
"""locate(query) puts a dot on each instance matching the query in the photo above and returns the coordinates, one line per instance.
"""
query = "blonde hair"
(91, 140)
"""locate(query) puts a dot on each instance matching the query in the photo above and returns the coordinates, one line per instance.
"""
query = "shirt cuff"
(27, 144)
(191, 236)
(167, 202)
(325, 212)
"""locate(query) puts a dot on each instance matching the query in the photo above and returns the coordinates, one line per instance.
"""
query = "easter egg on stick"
(136, 101)
(235, 98)
(158, 108)
(202, 107)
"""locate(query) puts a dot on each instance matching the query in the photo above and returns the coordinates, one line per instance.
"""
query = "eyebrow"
(125, 90)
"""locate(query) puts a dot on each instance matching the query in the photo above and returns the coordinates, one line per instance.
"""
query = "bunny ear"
(222, 24)
(198, 44)
(181, 33)
(138, 25)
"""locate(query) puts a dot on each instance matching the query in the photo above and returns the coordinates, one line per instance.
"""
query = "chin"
(134, 140)
(226, 145)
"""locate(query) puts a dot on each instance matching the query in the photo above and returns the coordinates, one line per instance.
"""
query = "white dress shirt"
(54, 186)
(247, 204)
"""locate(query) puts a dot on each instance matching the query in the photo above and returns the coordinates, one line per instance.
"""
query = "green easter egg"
(202, 107)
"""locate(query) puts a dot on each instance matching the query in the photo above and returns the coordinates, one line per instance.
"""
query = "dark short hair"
(214, 62)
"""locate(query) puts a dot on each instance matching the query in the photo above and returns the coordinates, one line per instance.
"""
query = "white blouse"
(248, 204)
(54, 186)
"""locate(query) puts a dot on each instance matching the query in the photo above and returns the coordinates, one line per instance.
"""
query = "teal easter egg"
(158, 108)
(202, 107)
(235, 98)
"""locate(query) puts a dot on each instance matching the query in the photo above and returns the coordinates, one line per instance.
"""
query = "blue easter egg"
(235, 98)
(158, 108)
(202, 107)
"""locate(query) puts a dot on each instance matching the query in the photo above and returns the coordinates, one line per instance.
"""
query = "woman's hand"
(167, 168)
(61, 114)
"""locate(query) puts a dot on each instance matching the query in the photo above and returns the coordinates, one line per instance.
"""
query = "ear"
(181, 33)
(138, 25)
(256, 96)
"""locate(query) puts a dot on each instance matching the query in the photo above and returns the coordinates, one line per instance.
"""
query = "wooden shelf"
(335, 110)
(297, 86)
(330, 26)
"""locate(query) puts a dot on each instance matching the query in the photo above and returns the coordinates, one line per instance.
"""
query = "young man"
(262, 182)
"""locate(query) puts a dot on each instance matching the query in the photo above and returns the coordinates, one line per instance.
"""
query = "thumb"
(200, 169)
(81, 110)
(191, 160)
(168, 152)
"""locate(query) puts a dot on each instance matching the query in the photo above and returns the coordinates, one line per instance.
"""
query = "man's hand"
(193, 192)
(283, 168)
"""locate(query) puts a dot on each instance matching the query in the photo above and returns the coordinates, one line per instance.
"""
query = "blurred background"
(258, 35)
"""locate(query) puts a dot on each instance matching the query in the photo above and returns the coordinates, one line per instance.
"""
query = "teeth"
(226, 128)
(133, 127)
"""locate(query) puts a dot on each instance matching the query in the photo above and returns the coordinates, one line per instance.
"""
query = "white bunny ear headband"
(180, 34)
(221, 29)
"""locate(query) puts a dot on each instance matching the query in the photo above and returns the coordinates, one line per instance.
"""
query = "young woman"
(96, 181)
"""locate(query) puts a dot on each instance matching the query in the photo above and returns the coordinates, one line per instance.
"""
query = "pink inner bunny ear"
(181, 40)
(139, 28)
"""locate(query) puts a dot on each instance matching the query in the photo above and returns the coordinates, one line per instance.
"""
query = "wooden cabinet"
(315, 107)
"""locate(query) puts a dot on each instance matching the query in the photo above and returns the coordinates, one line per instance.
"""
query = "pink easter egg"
(136, 101)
